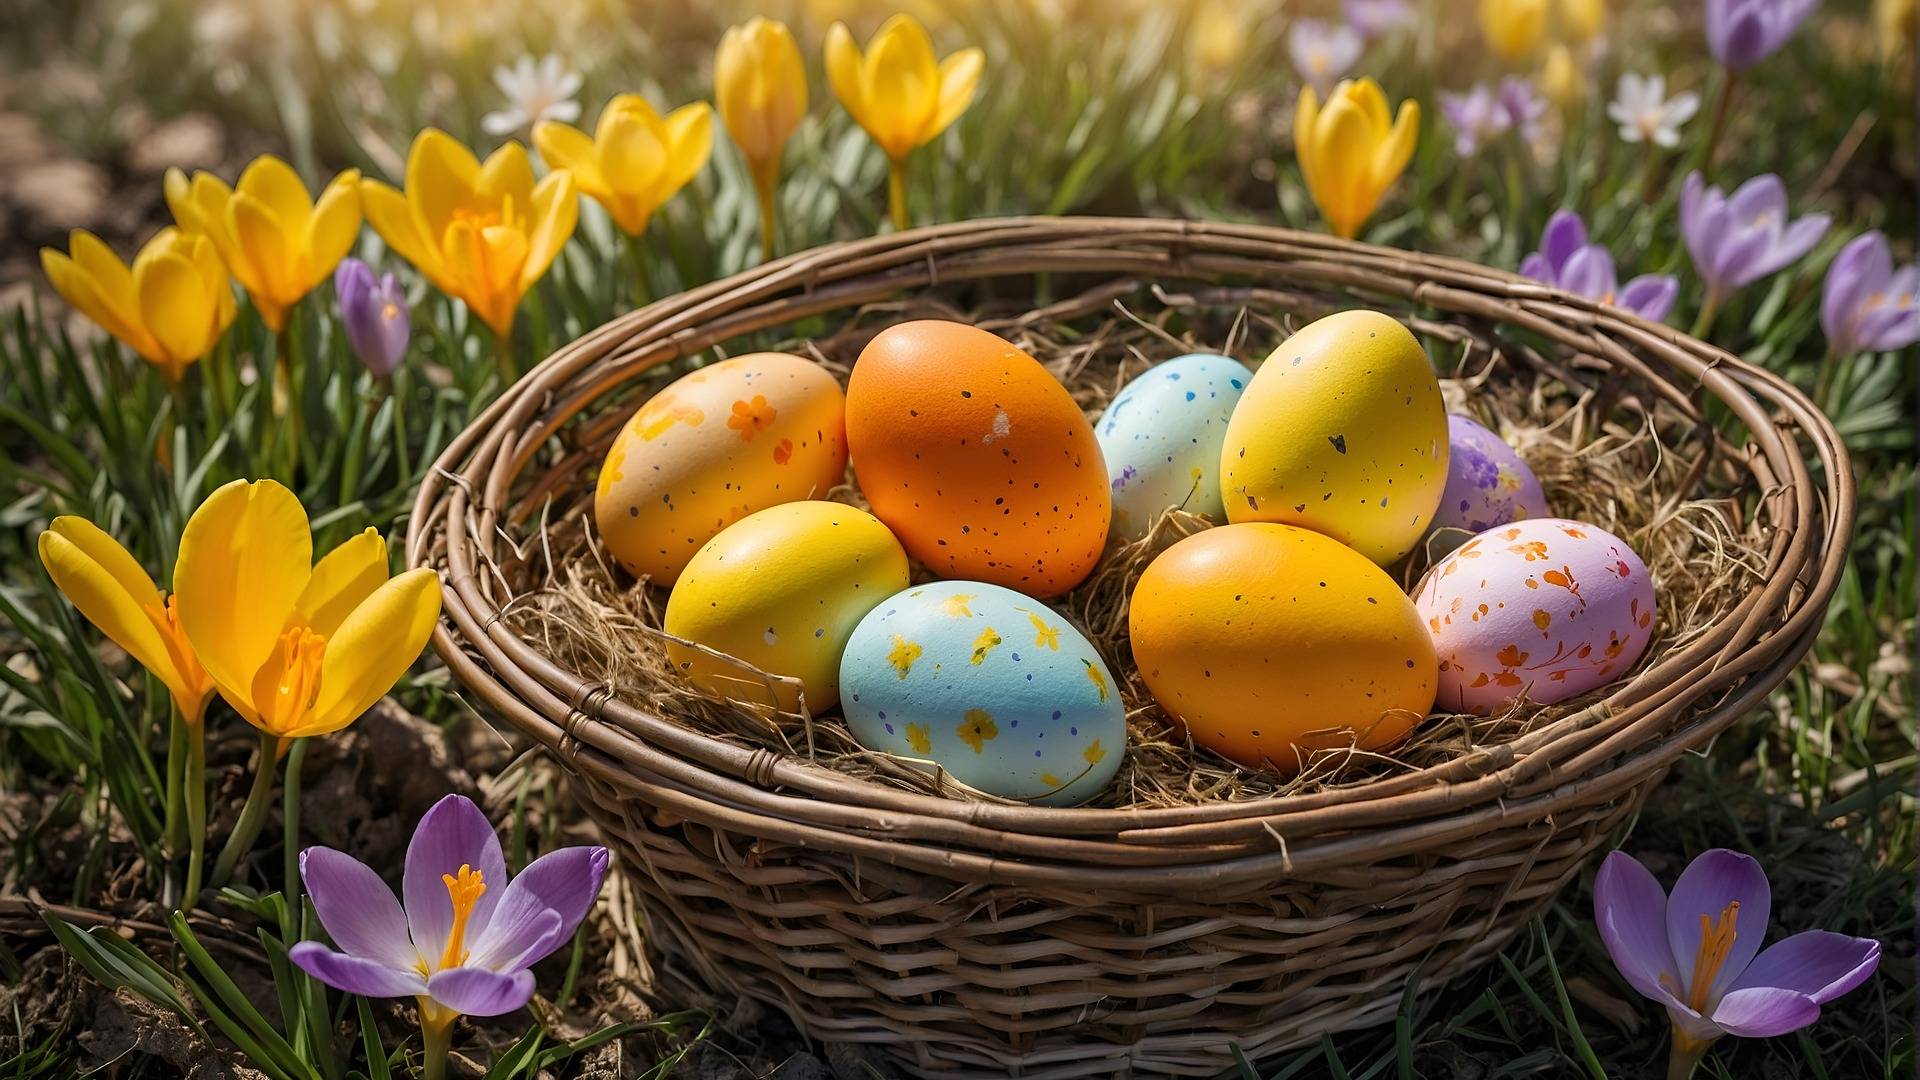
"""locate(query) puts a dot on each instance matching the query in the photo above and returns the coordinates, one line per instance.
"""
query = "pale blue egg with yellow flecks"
(991, 685)
(1162, 435)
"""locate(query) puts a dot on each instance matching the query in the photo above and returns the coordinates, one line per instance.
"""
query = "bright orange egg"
(977, 458)
(1271, 641)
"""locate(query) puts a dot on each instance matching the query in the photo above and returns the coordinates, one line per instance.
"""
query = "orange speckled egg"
(977, 458)
(716, 445)
(1271, 641)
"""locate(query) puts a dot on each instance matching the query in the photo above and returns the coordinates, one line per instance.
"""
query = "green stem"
(196, 812)
(436, 1037)
(642, 275)
(286, 405)
(1685, 1056)
(764, 181)
(176, 767)
(290, 834)
(1719, 128)
(1823, 383)
(252, 816)
(402, 455)
(1709, 308)
(897, 192)
(503, 361)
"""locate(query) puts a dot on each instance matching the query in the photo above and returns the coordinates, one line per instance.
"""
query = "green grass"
(1100, 113)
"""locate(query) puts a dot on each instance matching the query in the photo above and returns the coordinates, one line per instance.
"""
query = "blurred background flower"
(1741, 33)
(1352, 150)
(635, 160)
(1646, 114)
(373, 312)
(170, 307)
(535, 90)
(1322, 52)
(1566, 260)
(1738, 239)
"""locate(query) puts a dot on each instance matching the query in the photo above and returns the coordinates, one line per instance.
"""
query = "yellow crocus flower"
(1583, 20)
(109, 586)
(760, 86)
(1561, 78)
(170, 307)
(481, 232)
(1513, 27)
(1351, 151)
(635, 160)
(275, 239)
(297, 648)
(898, 93)
(1896, 23)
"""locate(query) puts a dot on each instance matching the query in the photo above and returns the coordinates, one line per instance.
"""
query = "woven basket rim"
(1608, 746)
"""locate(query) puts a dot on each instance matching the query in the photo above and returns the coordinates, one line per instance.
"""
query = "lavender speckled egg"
(1487, 483)
(1543, 609)
(1161, 438)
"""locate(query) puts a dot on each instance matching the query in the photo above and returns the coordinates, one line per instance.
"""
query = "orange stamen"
(288, 684)
(1716, 943)
(465, 891)
(165, 617)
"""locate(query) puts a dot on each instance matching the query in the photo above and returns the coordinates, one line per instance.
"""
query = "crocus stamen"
(1716, 942)
(289, 682)
(465, 891)
(165, 617)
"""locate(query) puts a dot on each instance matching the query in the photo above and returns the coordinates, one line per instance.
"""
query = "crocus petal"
(1650, 296)
(472, 991)
(506, 174)
(1760, 1012)
(112, 280)
(354, 975)
(244, 559)
(519, 942)
(441, 178)
(563, 146)
(342, 579)
(843, 71)
(1862, 265)
(900, 82)
(555, 212)
(374, 645)
(1817, 963)
(392, 217)
(334, 227)
(1538, 268)
(91, 584)
(564, 882)
(357, 909)
(1740, 257)
(690, 142)
(1589, 272)
(273, 183)
(453, 833)
(261, 240)
(1706, 887)
(175, 306)
(1630, 909)
(959, 78)
(1796, 242)
(1306, 116)
(1565, 234)
(1763, 196)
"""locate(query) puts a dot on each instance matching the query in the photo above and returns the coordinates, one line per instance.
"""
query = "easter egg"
(1271, 641)
(1161, 439)
(993, 686)
(1542, 609)
(977, 458)
(712, 447)
(1342, 431)
(782, 590)
(1487, 483)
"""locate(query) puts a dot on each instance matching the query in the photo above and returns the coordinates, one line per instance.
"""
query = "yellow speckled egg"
(782, 589)
(1270, 641)
(716, 445)
(1341, 431)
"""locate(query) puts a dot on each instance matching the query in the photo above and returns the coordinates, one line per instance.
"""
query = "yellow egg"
(716, 445)
(1270, 641)
(782, 590)
(1341, 431)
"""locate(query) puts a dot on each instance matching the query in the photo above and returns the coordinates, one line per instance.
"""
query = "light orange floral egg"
(716, 445)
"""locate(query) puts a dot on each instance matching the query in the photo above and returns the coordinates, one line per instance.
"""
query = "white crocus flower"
(536, 91)
(1644, 112)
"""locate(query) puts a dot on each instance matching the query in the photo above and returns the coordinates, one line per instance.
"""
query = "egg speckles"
(1270, 641)
(1543, 609)
(1487, 483)
(993, 686)
(712, 447)
(977, 458)
(1161, 438)
(782, 589)
(1341, 431)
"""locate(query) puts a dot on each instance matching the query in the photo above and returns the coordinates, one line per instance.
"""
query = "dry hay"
(1603, 457)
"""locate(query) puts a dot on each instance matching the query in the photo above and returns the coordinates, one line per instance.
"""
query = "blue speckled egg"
(994, 686)
(1161, 437)
(1487, 483)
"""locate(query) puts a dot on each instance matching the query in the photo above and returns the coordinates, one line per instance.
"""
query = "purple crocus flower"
(466, 936)
(1567, 261)
(374, 313)
(1373, 18)
(1698, 952)
(1742, 33)
(1738, 239)
(1523, 105)
(1477, 116)
(1868, 306)
(1322, 53)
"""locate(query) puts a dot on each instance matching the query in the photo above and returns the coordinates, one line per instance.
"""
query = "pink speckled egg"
(1543, 609)
(1487, 483)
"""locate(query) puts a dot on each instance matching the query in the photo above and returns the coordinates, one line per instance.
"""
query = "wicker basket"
(972, 939)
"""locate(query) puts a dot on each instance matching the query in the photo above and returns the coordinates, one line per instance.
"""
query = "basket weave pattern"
(973, 939)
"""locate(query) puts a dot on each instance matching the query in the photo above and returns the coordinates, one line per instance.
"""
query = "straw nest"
(1637, 468)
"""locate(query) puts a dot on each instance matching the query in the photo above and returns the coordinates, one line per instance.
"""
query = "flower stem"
(176, 769)
(1823, 383)
(642, 277)
(503, 361)
(196, 798)
(1685, 1056)
(1709, 308)
(290, 834)
(436, 1037)
(286, 406)
(252, 816)
(897, 192)
(764, 181)
(1719, 128)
